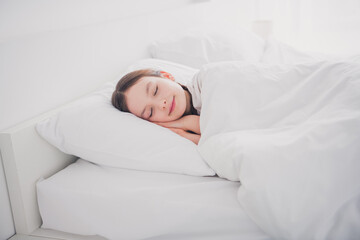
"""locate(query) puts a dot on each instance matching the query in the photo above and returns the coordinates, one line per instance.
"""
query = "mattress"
(88, 199)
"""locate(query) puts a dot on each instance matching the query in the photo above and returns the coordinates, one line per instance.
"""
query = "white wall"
(327, 26)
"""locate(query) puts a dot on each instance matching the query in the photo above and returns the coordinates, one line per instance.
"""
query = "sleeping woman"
(156, 97)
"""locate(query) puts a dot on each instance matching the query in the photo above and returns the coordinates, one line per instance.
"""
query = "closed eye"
(151, 112)
(156, 89)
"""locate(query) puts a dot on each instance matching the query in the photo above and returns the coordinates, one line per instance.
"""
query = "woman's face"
(156, 99)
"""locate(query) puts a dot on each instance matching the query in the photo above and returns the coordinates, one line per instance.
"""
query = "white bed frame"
(28, 158)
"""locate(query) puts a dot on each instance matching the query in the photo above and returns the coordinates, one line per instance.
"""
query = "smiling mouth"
(172, 105)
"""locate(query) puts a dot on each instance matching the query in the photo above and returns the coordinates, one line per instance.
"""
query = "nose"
(163, 104)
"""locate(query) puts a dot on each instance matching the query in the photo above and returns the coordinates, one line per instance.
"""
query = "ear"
(167, 75)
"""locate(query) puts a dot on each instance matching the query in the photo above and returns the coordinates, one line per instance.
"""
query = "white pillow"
(198, 48)
(91, 128)
(277, 52)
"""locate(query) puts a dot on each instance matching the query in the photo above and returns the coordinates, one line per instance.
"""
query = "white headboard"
(67, 62)
(28, 158)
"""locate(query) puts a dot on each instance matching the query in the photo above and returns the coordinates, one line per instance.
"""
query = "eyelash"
(156, 89)
(151, 110)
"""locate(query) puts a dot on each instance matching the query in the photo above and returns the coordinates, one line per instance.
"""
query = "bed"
(108, 198)
(80, 184)
(163, 205)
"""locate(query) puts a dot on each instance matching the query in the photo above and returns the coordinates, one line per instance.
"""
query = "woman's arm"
(183, 125)
(187, 123)
(191, 123)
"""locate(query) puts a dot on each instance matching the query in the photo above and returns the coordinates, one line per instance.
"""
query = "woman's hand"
(187, 123)
(191, 136)
(182, 125)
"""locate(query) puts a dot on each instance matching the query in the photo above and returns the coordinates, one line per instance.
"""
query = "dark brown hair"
(118, 97)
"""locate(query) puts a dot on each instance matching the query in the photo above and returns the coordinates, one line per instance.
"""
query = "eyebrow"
(147, 93)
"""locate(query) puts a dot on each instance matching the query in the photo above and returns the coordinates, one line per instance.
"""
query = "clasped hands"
(187, 126)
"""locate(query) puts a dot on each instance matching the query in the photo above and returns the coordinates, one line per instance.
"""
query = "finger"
(161, 124)
(166, 124)
(175, 130)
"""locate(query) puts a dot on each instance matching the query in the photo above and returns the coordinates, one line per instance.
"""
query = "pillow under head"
(92, 129)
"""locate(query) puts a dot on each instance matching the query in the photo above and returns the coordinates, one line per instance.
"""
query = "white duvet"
(291, 135)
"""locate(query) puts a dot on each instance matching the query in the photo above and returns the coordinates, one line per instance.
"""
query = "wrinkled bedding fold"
(291, 135)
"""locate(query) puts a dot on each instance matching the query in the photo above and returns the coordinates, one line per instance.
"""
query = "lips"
(172, 105)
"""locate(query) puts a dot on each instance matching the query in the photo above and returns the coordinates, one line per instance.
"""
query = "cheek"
(183, 100)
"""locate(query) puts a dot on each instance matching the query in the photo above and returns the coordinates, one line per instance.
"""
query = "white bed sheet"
(115, 203)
